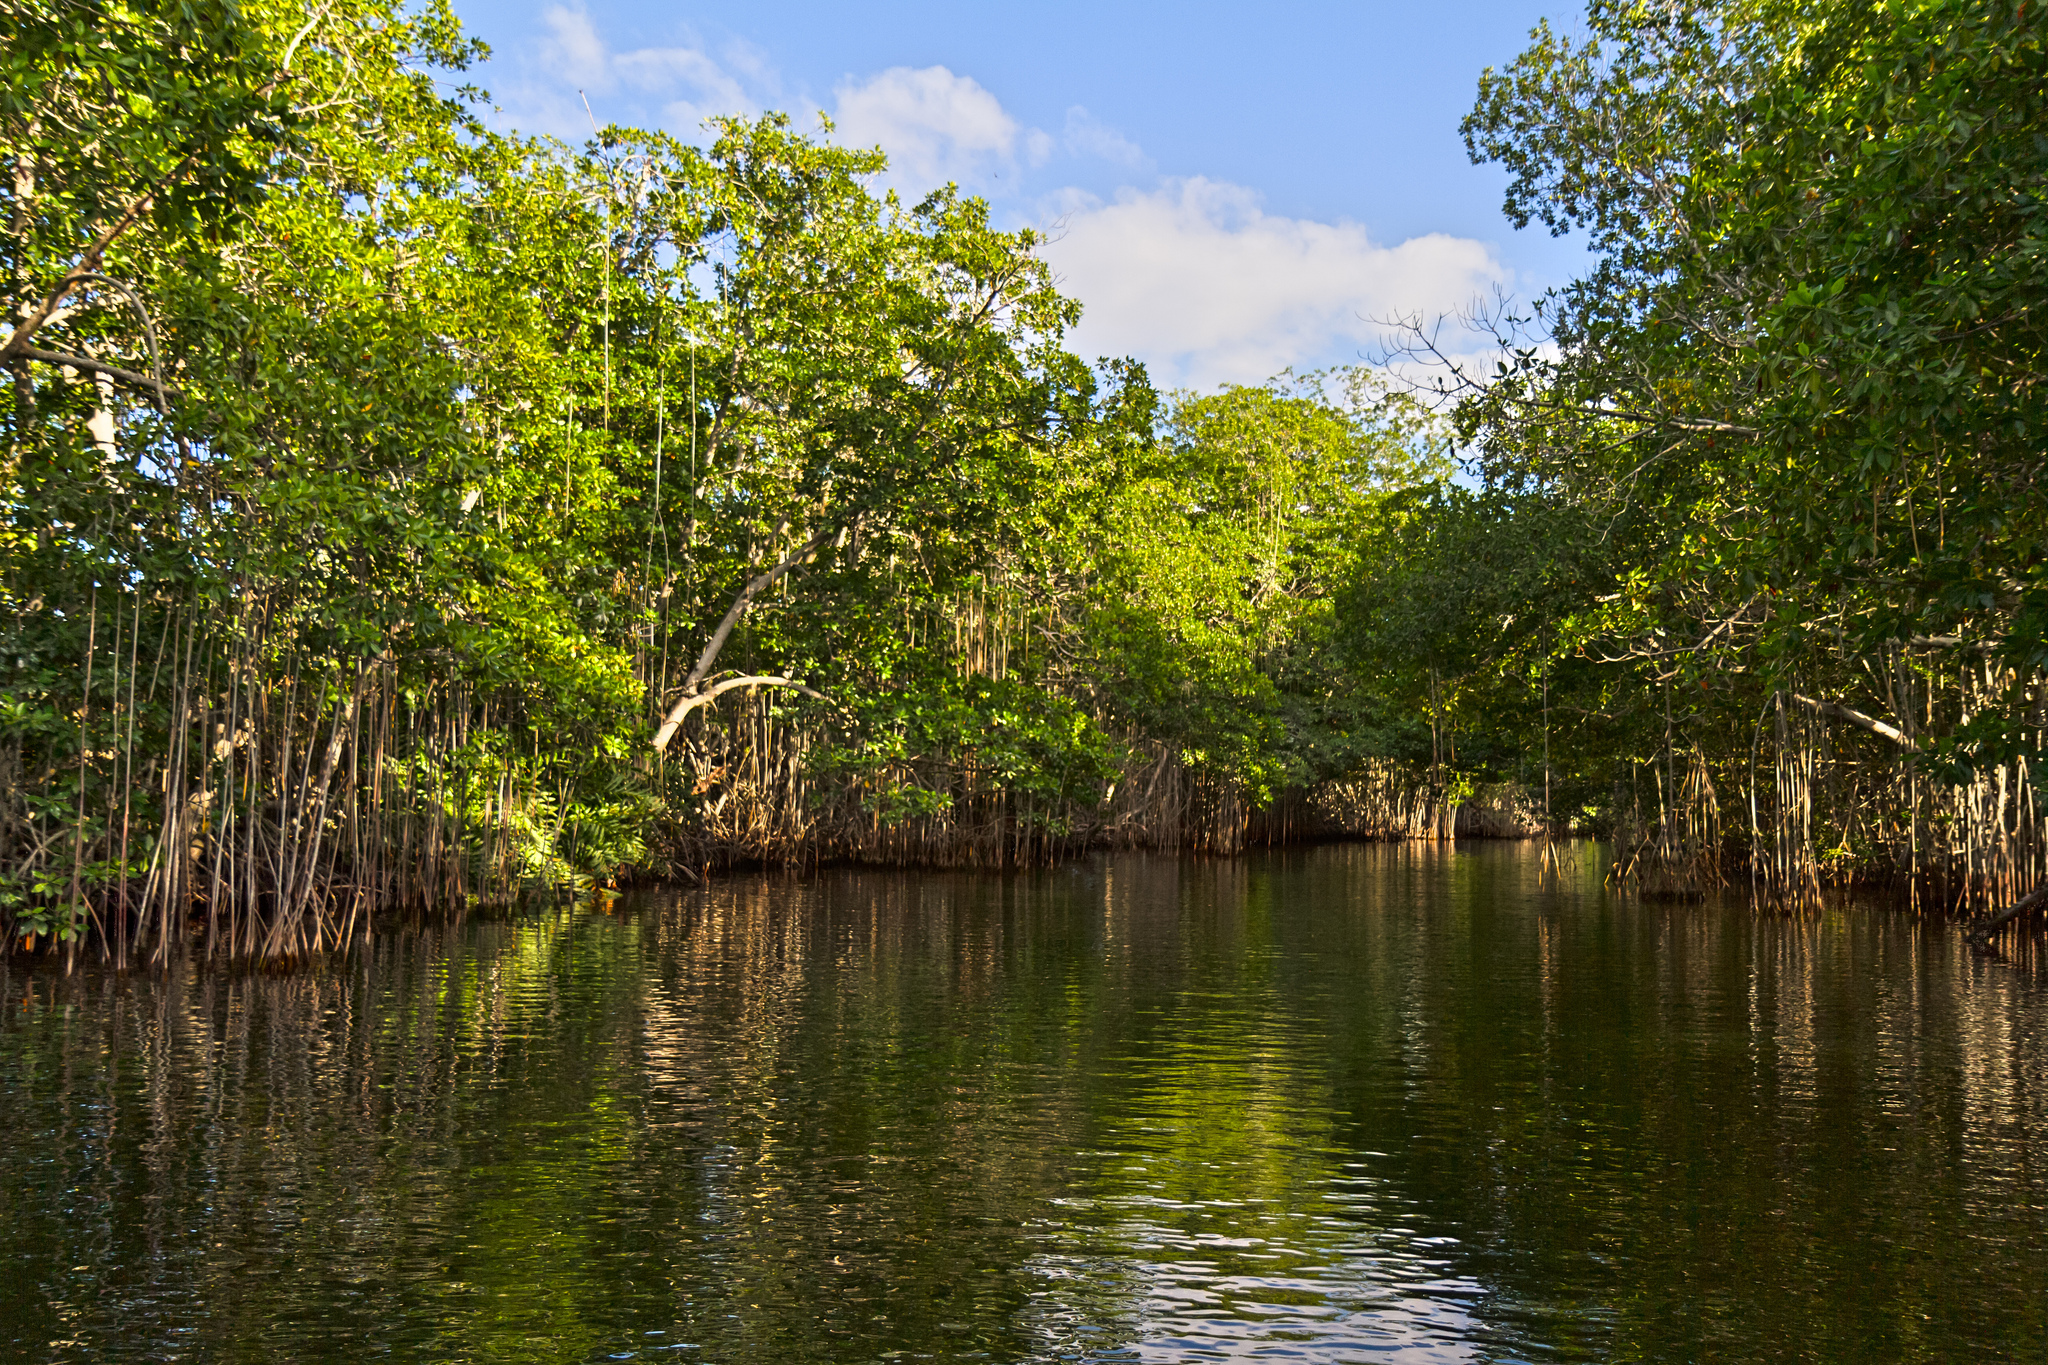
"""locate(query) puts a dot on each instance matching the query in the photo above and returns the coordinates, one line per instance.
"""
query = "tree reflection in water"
(1351, 1102)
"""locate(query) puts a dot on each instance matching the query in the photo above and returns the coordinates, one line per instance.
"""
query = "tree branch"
(79, 362)
(16, 345)
(742, 603)
(1861, 721)
(692, 698)
(1954, 642)
(1981, 935)
(88, 265)
(156, 364)
(688, 704)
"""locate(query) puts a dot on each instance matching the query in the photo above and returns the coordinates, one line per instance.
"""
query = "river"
(1348, 1103)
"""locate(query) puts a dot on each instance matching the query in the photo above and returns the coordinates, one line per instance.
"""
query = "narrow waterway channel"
(1340, 1104)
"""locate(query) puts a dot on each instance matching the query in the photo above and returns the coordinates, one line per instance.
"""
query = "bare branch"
(1954, 642)
(1981, 935)
(156, 367)
(292, 47)
(1861, 721)
(747, 595)
(79, 362)
(692, 698)
(682, 710)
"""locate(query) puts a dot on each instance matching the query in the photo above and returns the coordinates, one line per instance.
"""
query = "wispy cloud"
(1087, 135)
(579, 54)
(675, 87)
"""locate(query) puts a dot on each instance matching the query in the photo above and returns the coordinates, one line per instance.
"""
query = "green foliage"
(1785, 430)
(1214, 568)
(913, 744)
(376, 486)
(1801, 368)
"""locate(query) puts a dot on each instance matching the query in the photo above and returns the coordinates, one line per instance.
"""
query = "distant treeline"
(403, 514)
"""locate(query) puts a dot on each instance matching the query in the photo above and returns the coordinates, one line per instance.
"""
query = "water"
(1346, 1104)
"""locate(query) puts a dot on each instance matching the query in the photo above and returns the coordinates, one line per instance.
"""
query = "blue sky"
(1229, 190)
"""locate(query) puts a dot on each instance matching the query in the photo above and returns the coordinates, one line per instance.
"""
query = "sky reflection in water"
(1344, 1104)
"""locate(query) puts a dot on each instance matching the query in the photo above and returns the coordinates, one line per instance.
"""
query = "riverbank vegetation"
(405, 514)
(401, 513)
(1776, 460)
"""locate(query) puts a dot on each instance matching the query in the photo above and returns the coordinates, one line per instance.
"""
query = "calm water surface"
(1348, 1104)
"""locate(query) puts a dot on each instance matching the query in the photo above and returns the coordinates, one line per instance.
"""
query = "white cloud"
(1197, 280)
(1087, 135)
(934, 125)
(1193, 276)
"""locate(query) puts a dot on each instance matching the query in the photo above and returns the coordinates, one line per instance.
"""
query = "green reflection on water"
(1347, 1103)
